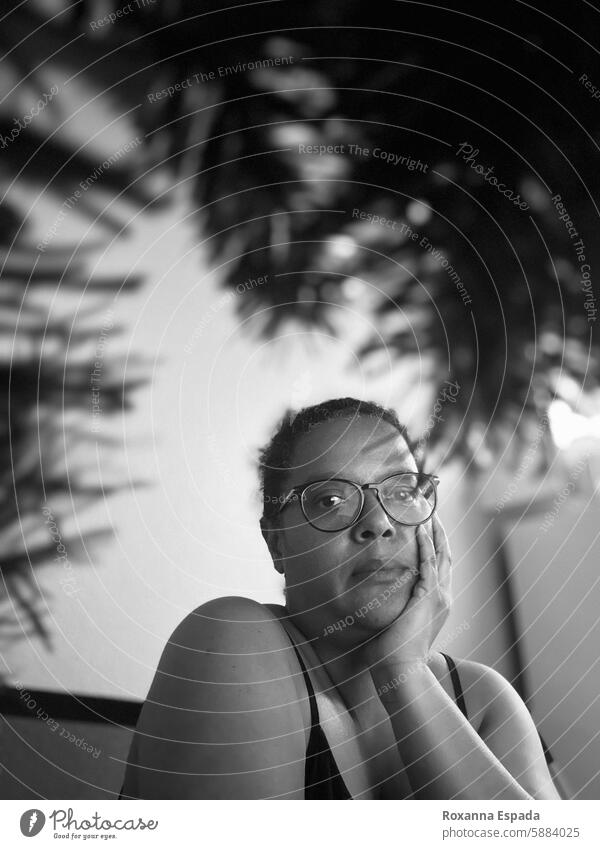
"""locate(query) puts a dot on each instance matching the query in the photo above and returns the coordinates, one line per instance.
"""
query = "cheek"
(398, 596)
(316, 551)
(311, 560)
(408, 545)
(317, 577)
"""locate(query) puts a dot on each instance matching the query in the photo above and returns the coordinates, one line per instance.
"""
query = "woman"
(339, 693)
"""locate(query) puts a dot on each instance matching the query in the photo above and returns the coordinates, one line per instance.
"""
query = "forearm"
(444, 756)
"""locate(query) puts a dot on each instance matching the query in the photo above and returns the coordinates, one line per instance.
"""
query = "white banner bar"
(295, 825)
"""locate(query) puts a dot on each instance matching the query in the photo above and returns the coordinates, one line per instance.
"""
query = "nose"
(373, 521)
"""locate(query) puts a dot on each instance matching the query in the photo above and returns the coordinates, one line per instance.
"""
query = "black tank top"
(322, 779)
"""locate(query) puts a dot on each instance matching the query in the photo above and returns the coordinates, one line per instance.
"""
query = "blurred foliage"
(419, 82)
(47, 332)
(412, 81)
(402, 77)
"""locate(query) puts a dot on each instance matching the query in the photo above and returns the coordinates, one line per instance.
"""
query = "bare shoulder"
(485, 678)
(503, 721)
(224, 717)
(480, 675)
(231, 634)
(482, 687)
(230, 620)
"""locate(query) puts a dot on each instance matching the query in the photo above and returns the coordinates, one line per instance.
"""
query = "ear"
(272, 537)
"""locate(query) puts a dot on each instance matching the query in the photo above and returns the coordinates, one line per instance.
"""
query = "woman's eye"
(404, 495)
(330, 500)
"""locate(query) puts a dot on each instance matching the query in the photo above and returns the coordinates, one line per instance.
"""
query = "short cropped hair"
(275, 458)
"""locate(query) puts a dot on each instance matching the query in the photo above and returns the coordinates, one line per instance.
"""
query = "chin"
(378, 616)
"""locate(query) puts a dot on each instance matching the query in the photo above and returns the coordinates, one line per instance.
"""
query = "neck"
(341, 657)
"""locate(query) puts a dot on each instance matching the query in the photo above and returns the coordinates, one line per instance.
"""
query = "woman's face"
(364, 573)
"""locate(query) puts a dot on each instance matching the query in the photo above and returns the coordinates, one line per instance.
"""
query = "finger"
(442, 548)
(427, 552)
(427, 560)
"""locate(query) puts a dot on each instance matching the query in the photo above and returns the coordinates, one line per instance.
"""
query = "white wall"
(557, 583)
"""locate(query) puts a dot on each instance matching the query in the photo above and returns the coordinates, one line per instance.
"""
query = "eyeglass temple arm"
(286, 500)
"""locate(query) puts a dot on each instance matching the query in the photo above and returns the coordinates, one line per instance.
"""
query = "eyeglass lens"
(335, 505)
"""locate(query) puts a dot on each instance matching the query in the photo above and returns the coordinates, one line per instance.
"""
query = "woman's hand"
(409, 637)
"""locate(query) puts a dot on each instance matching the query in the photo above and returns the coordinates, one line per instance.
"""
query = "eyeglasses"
(408, 498)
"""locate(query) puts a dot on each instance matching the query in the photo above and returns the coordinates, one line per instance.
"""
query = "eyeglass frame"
(301, 488)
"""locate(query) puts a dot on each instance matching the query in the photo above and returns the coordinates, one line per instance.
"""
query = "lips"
(381, 567)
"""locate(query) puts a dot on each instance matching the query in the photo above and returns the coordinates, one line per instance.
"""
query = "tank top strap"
(458, 691)
(312, 699)
(322, 778)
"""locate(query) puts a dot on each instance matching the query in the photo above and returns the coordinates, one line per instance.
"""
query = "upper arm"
(509, 731)
(222, 718)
